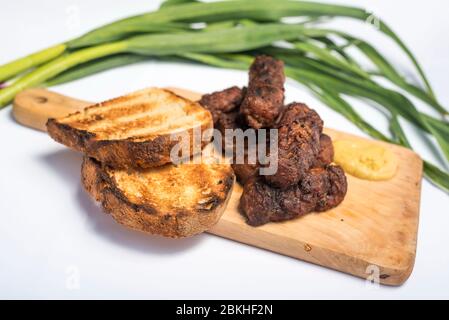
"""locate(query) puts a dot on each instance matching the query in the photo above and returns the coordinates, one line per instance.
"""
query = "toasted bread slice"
(173, 200)
(133, 131)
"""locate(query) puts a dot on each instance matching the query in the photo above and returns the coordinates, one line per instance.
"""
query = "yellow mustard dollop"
(365, 160)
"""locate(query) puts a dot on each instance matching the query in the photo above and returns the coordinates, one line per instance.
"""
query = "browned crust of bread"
(148, 218)
(119, 154)
(123, 153)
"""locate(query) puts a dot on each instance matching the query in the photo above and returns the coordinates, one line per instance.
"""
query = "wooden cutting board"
(372, 234)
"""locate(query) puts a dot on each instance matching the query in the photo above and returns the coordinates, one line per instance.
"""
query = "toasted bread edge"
(121, 154)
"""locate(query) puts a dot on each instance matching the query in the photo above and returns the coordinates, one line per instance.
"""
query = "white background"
(50, 231)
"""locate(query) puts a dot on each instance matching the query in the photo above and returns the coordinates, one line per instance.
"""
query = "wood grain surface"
(372, 234)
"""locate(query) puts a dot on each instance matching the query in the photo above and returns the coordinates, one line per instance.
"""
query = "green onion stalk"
(55, 67)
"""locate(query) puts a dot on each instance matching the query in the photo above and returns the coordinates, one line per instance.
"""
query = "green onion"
(436, 176)
(386, 70)
(228, 40)
(261, 10)
(325, 55)
(168, 3)
(13, 68)
(215, 41)
(55, 67)
(215, 61)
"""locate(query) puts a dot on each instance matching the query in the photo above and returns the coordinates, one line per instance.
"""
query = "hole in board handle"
(41, 100)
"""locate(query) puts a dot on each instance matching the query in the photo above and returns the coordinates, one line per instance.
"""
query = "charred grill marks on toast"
(133, 131)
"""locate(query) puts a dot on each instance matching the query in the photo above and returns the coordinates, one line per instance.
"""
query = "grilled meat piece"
(267, 70)
(229, 121)
(299, 132)
(223, 101)
(329, 184)
(305, 181)
(326, 154)
(262, 106)
(224, 106)
(233, 120)
(265, 97)
(320, 190)
(246, 169)
(258, 202)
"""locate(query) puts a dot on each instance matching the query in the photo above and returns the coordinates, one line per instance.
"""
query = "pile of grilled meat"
(306, 179)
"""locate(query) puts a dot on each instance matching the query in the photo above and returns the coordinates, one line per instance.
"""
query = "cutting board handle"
(33, 107)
